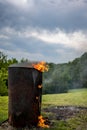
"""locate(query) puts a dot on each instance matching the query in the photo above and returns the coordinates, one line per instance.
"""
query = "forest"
(59, 79)
(62, 77)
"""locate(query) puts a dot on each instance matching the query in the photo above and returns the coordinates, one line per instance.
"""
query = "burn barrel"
(25, 91)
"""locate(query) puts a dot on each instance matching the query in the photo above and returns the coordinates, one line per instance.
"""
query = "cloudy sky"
(43, 30)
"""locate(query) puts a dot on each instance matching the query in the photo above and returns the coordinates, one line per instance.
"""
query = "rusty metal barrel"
(24, 95)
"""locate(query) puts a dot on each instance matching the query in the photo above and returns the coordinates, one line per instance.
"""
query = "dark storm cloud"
(50, 30)
(35, 49)
(6, 15)
(45, 14)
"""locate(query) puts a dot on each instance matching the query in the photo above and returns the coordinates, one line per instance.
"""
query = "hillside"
(62, 77)
(59, 79)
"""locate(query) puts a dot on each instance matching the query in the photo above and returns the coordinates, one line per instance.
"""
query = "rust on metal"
(24, 95)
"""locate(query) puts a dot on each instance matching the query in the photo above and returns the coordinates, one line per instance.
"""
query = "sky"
(43, 30)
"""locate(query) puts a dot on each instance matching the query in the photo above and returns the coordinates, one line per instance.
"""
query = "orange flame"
(41, 66)
(39, 86)
(41, 122)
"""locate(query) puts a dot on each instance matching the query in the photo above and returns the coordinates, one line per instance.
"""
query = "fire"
(41, 122)
(37, 98)
(39, 86)
(41, 66)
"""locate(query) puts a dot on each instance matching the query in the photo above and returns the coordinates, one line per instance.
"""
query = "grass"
(76, 97)
(3, 108)
(79, 122)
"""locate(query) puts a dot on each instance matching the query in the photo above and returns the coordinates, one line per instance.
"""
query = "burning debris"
(25, 94)
(41, 66)
(42, 122)
(39, 86)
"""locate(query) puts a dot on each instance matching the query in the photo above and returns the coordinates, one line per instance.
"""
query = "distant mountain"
(62, 77)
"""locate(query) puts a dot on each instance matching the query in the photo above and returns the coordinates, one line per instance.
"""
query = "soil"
(63, 112)
(54, 113)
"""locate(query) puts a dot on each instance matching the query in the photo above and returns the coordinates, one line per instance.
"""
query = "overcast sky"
(43, 30)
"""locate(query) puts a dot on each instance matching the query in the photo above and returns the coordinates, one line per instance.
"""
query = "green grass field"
(3, 108)
(72, 98)
(76, 97)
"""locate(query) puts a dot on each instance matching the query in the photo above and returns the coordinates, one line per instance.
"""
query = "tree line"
(4, 64)
(59, 78)
(62, 77)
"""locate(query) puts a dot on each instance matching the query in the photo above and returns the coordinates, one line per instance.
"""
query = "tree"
(4, 63)
(3, 79)
(24, 60)
(3, 60)
(12, 61)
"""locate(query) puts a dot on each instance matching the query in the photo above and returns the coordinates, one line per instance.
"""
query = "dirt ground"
(63, 112)
(55, 113)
